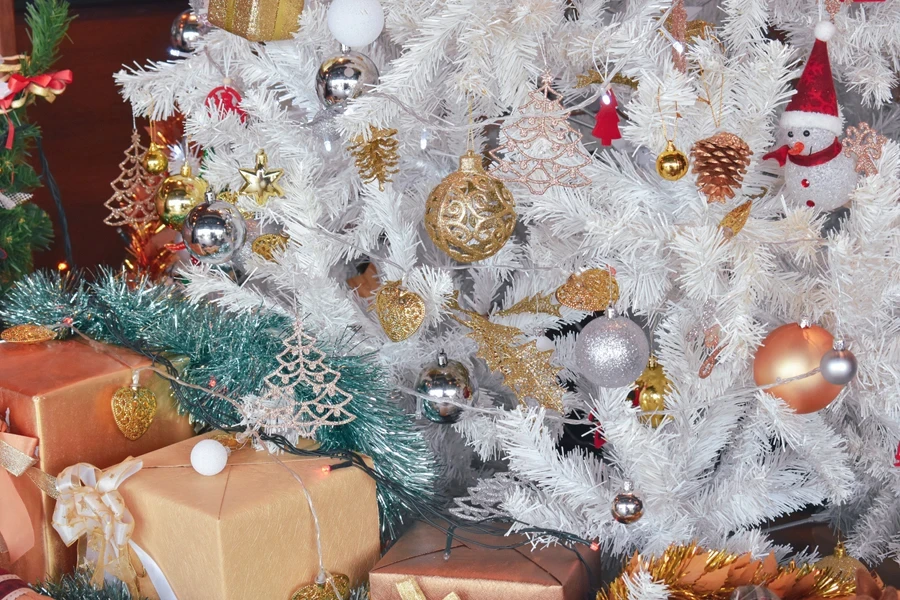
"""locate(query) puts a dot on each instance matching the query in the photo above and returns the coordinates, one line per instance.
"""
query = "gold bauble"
(269, 244)
(651, 388)
(789, 351)
(315, 591)
(672, 163)
(155, 160)
(400, 311)
(27, 333)
(593, 290)
(470, 215)
(177, 195)
(840, 564)
(133, 409)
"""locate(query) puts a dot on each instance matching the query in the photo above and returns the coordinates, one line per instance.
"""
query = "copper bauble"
(672, 163)
(177, 195)
(789, 351)
(470, 215)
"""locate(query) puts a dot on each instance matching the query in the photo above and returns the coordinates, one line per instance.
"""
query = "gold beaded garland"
(470, 215)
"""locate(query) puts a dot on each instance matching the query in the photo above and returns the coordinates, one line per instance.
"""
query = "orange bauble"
(792, 350)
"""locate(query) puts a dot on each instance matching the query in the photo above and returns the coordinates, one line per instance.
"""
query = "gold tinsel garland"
(691, 572)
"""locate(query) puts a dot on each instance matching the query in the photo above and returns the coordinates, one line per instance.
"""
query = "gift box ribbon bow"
(90, 510)
(410, 590)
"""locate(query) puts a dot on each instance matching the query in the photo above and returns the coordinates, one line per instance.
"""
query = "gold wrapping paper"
(475, 573)
(247, 532)
(60, 393)
(257, 20)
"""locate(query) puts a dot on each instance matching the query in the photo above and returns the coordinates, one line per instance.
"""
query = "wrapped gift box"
(476, 573)
(257, 20)
(248, 531)
(60, 394)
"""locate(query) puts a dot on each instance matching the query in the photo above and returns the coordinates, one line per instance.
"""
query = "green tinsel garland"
(77, 586)
(236, 351)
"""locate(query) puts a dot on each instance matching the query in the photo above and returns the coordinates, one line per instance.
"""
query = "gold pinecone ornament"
(377, 157)
(720, 162)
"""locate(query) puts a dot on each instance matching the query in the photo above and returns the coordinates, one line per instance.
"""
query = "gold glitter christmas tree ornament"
(866, 145)
(134, 191)
(400, 311)
(376, 157)
(539, 303)
(590, 291)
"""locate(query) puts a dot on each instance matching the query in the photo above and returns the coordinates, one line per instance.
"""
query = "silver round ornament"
(344, 77)
(627, 507)
(612, 351)
(839, 365)
(214, 232)
(444, 380)
(185, 34)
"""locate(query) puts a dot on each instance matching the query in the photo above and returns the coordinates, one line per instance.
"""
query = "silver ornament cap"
(447, 384)
(838, 365)
(627, 507)
(612, 351)
(214, 232)
(344, 77)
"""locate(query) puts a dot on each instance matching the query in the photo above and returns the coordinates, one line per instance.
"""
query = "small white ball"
(825, 30)
(356, 23)
(209, 457)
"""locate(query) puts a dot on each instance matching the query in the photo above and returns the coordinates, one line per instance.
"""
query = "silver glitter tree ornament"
(612, 351)
(839, 365)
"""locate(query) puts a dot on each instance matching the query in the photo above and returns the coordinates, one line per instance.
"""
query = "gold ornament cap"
(470, 162)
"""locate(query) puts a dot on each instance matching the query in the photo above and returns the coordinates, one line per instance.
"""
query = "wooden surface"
(7, 28)
(88, 128)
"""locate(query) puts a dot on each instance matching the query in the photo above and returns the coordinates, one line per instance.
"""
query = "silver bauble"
(214, 232)
(627, 507)
(184, 35)
(444, 380)
(753, 592)
(838, 366)
(612, 351)
(344, 77)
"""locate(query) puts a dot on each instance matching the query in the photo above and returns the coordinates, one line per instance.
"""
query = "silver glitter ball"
(627, 507)
(444, 380)
(214, 232)
(612, 351)
(184, 35)
(753, 592)
(838, 366)
(345, 77)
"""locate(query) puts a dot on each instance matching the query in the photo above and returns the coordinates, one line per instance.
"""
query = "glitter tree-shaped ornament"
(134, 190)
(302, 394)
(866, 145)
(539, 148)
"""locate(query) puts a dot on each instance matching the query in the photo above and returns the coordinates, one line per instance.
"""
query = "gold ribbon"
(91, 511)
(410, 590)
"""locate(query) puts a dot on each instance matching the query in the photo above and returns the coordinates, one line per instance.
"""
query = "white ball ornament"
(209, 457)
(612, 351)
(356, 23)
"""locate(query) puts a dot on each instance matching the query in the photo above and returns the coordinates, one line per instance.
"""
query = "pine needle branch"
(48, 21)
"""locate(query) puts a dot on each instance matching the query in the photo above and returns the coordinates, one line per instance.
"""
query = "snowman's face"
(812, 139)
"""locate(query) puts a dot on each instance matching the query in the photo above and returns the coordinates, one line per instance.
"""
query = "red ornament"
(225, 99)
(607, 128)
(810, 203)
(804, 183)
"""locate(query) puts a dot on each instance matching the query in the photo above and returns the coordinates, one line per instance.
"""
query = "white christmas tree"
(730, 455)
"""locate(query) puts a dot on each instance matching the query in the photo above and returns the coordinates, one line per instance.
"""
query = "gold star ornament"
(261, 182)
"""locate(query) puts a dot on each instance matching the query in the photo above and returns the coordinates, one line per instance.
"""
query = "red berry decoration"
(226, 99)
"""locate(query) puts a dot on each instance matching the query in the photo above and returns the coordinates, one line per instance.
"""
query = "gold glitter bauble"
(155, 160)
(651, 388)
(400, 311)
(470, 215)
(133, 408)
(314, 591)
(672, 163)
(269, 244)
(177, 195)
(27, 334)
(593, 290)
(840, 564)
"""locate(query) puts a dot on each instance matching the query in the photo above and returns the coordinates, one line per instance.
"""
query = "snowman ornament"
(817, 174)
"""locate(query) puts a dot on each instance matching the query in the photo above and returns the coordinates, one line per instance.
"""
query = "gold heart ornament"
(400, 311)
(133, 409)
(590, 291)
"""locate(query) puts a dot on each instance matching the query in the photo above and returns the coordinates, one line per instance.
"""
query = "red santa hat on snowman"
(815, 103)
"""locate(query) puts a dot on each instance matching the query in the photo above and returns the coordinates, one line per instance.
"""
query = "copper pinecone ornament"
(721, 162)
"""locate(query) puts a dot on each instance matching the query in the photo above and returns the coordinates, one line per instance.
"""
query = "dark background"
(88, 128)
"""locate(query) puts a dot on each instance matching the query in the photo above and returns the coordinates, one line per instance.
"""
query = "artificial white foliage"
(729, 457)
